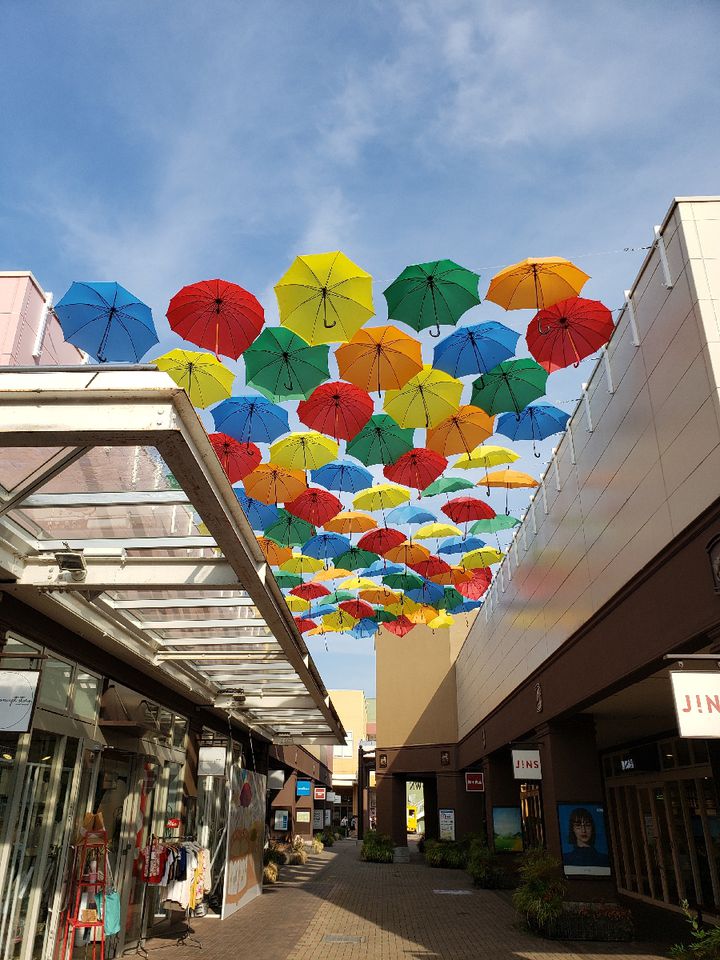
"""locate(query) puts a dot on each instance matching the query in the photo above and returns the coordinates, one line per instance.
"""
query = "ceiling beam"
(118, 499)
(133, 573)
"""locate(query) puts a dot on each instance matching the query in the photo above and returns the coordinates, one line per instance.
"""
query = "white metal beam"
(89, 498)
(41, 475)
(154, 603)
(134, 573)
(128, 543)
(199, 624)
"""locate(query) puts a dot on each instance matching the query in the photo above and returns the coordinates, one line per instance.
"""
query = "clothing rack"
(186, 936)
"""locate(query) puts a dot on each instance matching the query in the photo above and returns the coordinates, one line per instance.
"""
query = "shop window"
(55, 684)
(14, 646)
(85, 695)
(180, 727)
(165, 723)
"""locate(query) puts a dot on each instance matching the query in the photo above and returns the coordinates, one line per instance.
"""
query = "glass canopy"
(116, 517)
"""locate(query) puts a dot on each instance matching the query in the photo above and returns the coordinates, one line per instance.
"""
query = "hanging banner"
(17, 699)
(211, 761)
(245, 839)
(697, 702)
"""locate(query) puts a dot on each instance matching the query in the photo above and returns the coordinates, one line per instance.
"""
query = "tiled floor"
(338, 908)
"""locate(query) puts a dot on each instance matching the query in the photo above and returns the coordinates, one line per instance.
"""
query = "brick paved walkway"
(338, 908)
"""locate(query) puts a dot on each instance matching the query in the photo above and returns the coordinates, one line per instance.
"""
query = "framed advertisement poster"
(584, 841)
(17, 699)
(507, 829)
(282, 818)
(446, 819)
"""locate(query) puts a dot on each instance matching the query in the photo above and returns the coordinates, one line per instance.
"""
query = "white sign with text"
(526, 765)
(697, 702)
(17, 696)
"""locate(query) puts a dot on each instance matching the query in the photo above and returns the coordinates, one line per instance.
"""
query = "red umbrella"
(568, 331)
(337, 409)
(465, 509)
(237, 459)
(475, 588)
(416, 468)
(357, 608)
(218, 315)
(432, 567)
(400, 627)
(381, 540)
(310, 591)
(303, 624)
(315, 505)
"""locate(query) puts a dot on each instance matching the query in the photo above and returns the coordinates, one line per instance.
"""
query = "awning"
(117, 520)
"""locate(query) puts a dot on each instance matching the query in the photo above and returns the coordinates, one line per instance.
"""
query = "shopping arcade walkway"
(339, 908)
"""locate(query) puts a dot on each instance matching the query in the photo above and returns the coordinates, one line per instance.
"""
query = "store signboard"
(697, 702)
(212, 761)
(330, 796)
(17, 699)
(526, 765)
(447, 824)
(245, 837)
(302, 788)
(337, 799)
(302, 816)
(318, 819)
(281, 820)
(319, 793)
(475, 782)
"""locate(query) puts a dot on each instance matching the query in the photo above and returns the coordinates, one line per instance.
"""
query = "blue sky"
(161, 143)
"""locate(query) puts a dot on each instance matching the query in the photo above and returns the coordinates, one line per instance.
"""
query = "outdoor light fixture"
(230, 701)
(71, 564)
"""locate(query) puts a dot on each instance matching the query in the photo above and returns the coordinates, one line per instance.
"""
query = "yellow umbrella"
(512, 479)
(350, 521)
(484, 557)
(358, 583)
(299, 563)
(536, 283)
(442, 620)
(339, 621)
(324, 297)
(404, 605)
(304, 451)
(427, 399)
(297, 604)
(486, 456)
(434, 530)
(423, 614)
(334, 573)
(201, 375)
(382, 497)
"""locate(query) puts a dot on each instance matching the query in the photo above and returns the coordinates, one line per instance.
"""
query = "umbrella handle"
(436, 335)
(328, 326)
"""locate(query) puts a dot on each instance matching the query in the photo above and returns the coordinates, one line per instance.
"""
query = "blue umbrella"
(343, 476)
(408, 513)
(457, 545)
(428, 593)
(106, 321)
(260, 515)
(536, 422)
(475, 349)
(326, 546)
(383, 568)
(320, 611)
(365, 628)
(467, 606)
(250, 418)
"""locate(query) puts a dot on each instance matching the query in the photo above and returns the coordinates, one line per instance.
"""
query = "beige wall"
(645, 465)
(350, 706)
(416, 697)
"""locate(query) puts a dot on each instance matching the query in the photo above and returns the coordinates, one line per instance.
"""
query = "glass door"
(140, 903)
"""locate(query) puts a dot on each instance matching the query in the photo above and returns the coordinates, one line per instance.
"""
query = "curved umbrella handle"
(436, 335)
(328, 326)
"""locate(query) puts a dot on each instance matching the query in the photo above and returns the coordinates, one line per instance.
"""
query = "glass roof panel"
(108, 469)
(17, 463)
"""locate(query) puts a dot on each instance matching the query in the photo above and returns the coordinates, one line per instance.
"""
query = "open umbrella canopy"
(272, 483)
(326, 546)
(287, 580)
(324, 297)
(289, 531)
(343, 476)
(400, 627)
(282, 366)
(427, 399)
(432, 294)
(364, 628)
(431, 567)
(536, 283)
(304, 451)
(273, 552)
(356, 559)
(201, 375)
(493, 524)
(217, 315)
(382, 440)
(451, 577)
(475, 588)
(510, 386)
(340, 595)
(447, 485)
(484, 557)
(379, 358)
(408, 553)
(358, 583)
(460, 432)
(106, 321)
(310, 591)
(338, 409)
(459, 545)
(250, 418)
(357, 608)
(441, 621)
(512, 479)
(466, 509)
(315, 505)
(334, 573)
(403, 581)
(409, 513)
(237, 459)
(437, 531)
(350, 521)
(379, 595)
(536, 422)
(259, 514)
(304, 624)
(339, 621)
(476, 349)
(563, 334)
(426, 593)
(382, 567)
(381, 540)
(451, 600)
(484, 457)
(417, 468)
(299, 563)
(297, 604)
(382, 497)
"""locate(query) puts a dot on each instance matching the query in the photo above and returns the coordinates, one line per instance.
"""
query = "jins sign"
(526, 765)
(697, 703)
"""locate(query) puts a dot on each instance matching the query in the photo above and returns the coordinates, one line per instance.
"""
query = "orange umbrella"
(334, 573)
(536, 283)
(273, 552)
(461, 432)
(408, 553)
(452, 577)
(512, 479)
(350, 521)
(270, 483)
(380, 595)
(379, 358)
(422, 614)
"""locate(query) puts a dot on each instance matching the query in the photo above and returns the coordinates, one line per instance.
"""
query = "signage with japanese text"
(475, 782)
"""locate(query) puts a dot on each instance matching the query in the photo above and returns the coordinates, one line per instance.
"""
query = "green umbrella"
(288, 579)
(453, 598)
(500, 522)
(384, 616)
(355, 559)
(283, 367)
(430, 294)
(381, 440)
(510, 386)
(338, 596)
(447, 485)
(289, 531)
(403, 581)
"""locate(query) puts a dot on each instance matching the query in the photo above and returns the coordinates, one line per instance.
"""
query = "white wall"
(648, 467)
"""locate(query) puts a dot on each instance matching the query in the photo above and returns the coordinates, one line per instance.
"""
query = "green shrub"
(705, 943)
(539, 898)
(483, 867)
(270, 873)
(327, 836)
(446, 853)
(377, 848)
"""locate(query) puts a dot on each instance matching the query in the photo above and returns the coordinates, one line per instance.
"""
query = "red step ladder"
(90, 874)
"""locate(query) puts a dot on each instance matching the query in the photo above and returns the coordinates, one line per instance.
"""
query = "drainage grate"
(455, 893)
(341, 938)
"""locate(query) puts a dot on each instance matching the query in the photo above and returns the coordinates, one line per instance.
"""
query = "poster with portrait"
(507, 830)
(245, 839)
(584, 841)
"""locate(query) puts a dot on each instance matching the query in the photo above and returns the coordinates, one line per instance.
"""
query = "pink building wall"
(22, 308)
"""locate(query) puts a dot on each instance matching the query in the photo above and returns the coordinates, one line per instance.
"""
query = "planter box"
(591, 921)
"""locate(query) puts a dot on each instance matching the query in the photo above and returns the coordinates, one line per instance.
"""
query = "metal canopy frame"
(106, 477)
